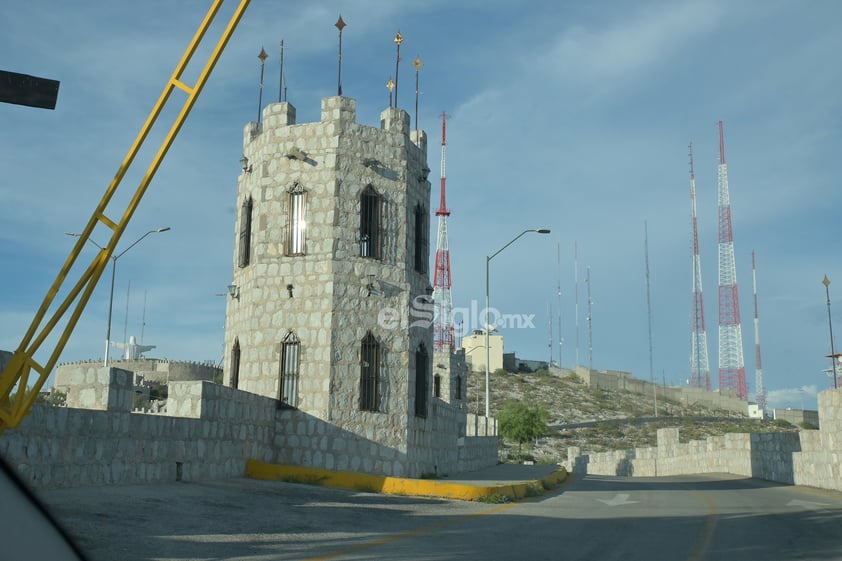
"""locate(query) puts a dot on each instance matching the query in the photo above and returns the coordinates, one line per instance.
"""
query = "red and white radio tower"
(732, 371)
(443, 318)
(760, 391)
(699, 369)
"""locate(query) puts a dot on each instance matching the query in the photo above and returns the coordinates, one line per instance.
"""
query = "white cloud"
(795, 398)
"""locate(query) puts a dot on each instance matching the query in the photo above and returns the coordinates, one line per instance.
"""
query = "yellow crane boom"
(15, 401)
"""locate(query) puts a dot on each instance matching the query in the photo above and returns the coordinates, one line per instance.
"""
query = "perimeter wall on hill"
(616, 380)
(807, 457)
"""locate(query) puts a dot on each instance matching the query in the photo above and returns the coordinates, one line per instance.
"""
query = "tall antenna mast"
(560, 336)
(143, 320)
(648, 298)
(699, 368)
(649, 315)
(442, 297)
(760, 391)
(551, 343)
(732, 372)
(590, 319)
(576, 284)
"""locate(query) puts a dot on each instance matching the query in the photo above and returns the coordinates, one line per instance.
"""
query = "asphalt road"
(698, 518)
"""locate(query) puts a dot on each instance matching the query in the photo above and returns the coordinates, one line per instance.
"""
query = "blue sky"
(573, 116)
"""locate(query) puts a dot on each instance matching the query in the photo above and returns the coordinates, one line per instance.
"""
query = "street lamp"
(833, 357)
(113, 274)
(488, 259)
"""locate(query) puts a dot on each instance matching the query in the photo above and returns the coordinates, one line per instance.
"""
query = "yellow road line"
(701, 548)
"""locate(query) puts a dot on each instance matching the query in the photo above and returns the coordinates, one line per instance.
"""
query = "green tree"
(522, 422)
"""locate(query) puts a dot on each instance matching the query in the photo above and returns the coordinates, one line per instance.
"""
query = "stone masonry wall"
(613, 380)
(209, 432)
(62, 447)
(807, 457)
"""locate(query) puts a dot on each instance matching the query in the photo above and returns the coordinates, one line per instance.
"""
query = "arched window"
(422, 365)
(296, 223)
(369, 373)
(458, 382)
(289, 369)
(370, 238)
(244, 257)
(235, 364)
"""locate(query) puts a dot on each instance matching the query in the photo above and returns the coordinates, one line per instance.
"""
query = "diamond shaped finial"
(340, 24)
(262, 56)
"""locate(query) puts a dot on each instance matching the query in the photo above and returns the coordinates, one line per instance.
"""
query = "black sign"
(23, 89)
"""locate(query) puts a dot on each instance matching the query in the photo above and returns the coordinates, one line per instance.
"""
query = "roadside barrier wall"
(806, 457)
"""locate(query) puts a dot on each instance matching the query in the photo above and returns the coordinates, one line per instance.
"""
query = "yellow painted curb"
(397, 485)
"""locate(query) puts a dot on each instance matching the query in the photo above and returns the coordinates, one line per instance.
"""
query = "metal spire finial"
(417, 64)
(281, 89)
(340, 25)
(398, 41)
(262, 56)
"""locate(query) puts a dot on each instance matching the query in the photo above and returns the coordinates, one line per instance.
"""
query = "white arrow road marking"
(806, 504)
(618, 500)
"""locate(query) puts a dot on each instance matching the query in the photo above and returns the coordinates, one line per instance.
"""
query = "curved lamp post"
(114, 259)
(488, 259)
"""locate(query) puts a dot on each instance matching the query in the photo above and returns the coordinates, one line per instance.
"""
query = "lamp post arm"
(137, 241)
(493, 255)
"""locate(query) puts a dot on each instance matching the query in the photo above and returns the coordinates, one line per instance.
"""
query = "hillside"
(616, 420)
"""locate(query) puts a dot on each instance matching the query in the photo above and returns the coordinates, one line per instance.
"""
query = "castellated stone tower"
(329, 309)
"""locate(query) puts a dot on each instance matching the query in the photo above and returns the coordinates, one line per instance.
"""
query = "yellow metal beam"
(15, 400)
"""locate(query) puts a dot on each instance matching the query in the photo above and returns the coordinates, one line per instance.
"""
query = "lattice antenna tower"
(443, 318)
(760, 390)
(732, 371)
(699, 366)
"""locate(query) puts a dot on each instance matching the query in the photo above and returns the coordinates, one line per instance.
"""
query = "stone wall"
(63, 447)
(616, 380)
(807, 457)
(146, 369)
(89, 385)
(210, 431)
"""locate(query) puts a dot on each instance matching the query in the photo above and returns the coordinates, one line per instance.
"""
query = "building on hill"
(474, 347)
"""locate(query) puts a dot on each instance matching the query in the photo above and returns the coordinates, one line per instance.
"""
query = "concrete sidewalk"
(514, 481)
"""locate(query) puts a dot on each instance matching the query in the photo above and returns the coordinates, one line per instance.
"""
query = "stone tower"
(329, 309)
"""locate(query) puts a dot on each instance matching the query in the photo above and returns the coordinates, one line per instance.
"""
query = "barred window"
(235, 364)
(421, 239)
(290, 346)
(245, 233)
(370, 239)
(422, 364)
(369, 373)
(296, 224)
